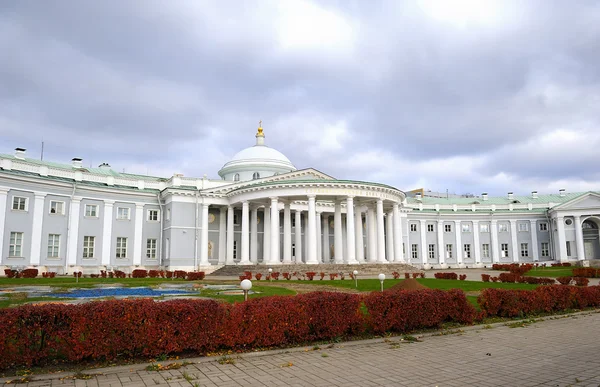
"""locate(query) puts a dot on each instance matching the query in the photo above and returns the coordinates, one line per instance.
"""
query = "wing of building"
(65, 217)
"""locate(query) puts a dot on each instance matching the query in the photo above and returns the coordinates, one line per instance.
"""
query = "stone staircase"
(369, 269)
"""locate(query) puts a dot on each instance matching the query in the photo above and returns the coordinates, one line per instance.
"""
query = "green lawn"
(550, 272)
(263, 291)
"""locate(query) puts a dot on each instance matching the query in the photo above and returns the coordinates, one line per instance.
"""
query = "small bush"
(462, 277)
(396, 275)
(406, 275)
(139, 273)
(485, 277)
(198, 276)
(564, 280)
(581, 281)
(29, 273)
(450, 276)
(310, 275)
(258, 276)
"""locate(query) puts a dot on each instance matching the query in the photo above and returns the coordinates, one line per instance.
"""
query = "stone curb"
(280, 351)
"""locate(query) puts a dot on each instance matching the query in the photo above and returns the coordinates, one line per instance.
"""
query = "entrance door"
(589, 249)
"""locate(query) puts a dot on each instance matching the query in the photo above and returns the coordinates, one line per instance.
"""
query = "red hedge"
(588, 272)
(450, 276)
(199, 276)
(139, 273)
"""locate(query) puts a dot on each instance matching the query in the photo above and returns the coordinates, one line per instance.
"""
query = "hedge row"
(588, 272)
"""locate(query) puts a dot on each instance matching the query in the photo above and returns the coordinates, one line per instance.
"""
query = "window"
(236, 219)
(523, 227)
(294, 221)
(236, 177)
(167, 248)
(91, 210)
(234, 249)
(448, 227)
(430, 228)
(153, 215)
(15, 247)
(431, 251)
(568, 249)
(19, 203)
(255, 176)
(413, 227)
(485, 250)
(121, 247)
(57, 207)
(524, 250)
(414, 251)
(168, 214)
(449, 251)
(151, 249)
(543, 226)
(88, 246)
(484, 228)
(123, 213)
(467, 250)
(545, 249)
(53, 246)
(504, 249)
(503, 227)
(568, 221)
(466, 227)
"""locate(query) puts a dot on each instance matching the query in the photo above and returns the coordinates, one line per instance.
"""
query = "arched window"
(589, 225)
(255, 176)
(236, 177)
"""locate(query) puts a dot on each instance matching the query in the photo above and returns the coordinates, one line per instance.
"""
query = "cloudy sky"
(467, 95)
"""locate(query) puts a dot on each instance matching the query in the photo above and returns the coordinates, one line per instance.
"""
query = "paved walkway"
(558, 351)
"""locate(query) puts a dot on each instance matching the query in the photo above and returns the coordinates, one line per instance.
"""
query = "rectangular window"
(543, 226)
(168, 214)
(53, 245)
(431, 251)
(466, 227)
(504, 249)
(293, 218)
(414, 251)
(88, 246)
(545, 249)
(430, 228)
(484, 228)
(236, 220)
(151, 248)
(153, 215)
(568, 249)
(449, 251)
(121, 247)
(91, 210)
(485, 250)
(57, 207)
(15, 247)
(503, 227)
(467, 250)
(524, 250)
(19, 203)
(123, 213)
(234, 249)
(413, 227)
(448, 228)
(523, 227)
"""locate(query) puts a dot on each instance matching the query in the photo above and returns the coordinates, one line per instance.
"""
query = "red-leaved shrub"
(139, 273)
(581, 281)
(588, 272)
(564, 280)
(198, 276)
(29, 273)
(450, 276)
(485, 277)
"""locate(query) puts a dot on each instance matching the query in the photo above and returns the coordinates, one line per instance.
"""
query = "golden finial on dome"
(260, 129)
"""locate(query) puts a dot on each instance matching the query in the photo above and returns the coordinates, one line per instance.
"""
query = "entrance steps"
(363, 269)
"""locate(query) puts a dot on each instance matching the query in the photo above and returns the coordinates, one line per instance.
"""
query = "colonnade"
(384, 233)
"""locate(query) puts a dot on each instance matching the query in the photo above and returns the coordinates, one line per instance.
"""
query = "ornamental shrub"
(310, 275)
(333, 276)
(450, 276)
(588, 272)
(396, 275)
(508, 277)
(406, 275)
(139, 273)
(258, 276)
(199, 276)
(564, 280)
(322, 275)
(581, 281)
(485, 277)
(29, 273)
(275, 275)
(462, 277)
(181, 274)
(153, 273)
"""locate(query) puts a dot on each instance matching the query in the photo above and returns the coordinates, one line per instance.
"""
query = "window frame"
(465, 227)
(17, 200)
(54, 247)
(484, 227)
(431, 251)
(502, 227)
(569, 250)
(543, 226)
(14, 246)
(447, 228)
(430, 227)
(89, 247)
(545, 249)
(119, 213)
(151, 248)
(151, 211)
(96, 210)
(524, 249)
(62, 207)
(414, 251)
(121, 248)
(504, 250)
(467, 250)
(523, 227)
(449, 251)
(485, 250)
(413, 227)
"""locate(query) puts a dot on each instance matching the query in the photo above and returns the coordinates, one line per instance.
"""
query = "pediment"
(585, 201)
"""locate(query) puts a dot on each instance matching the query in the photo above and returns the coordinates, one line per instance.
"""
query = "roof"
(302, 181)
(541, 199)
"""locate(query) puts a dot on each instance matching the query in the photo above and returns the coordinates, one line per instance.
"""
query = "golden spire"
(260, 129)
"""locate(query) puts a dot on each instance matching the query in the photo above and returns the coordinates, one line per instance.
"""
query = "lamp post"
(270, 277)
(355, 272)
(381, 279)
(246, 285)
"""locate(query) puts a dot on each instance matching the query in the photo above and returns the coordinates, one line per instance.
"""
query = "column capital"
(139, 206)
(273, 198)
(109, 202)
(350, 197)
(494, 222)
(245, 203)
(4, 190)
(395, 205)
(512, 221)
(379, 200)
(422, 221)
(222, 209)
(577, 217)
(312, 196)
(532, 220)
(76, 199)
(457, 221)
(39, 195)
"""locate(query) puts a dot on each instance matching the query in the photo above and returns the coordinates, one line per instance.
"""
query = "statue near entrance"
(210, 248)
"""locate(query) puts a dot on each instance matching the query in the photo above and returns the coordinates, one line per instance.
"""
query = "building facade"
(66, 217)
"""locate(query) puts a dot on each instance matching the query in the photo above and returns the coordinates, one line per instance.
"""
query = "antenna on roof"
(42, 154)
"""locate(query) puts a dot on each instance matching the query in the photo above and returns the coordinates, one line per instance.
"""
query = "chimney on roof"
(561, 192)
(484, 196)
(77, 162)
(534, 195)
(104, 166)
(510, 196)
(20, 153)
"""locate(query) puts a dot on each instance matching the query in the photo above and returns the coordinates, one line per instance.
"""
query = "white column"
(477, 245)
(380, 233)
(319, 240)
(222, 235)
(254, 235)
(267, 235)
(298, 236)
(204, 236)
(287, 234)
(398, 253)
(513, 240)
(350, 234)
(311, 257)
(3, 198)
(494, 241)
(389, 240)
(460, 252)
(36, 229)
(107, 231)
(423, 244)
(372, 236)
(73, 231)
(230, 235)
(578, 238)
(325, 229)
(274, 231)
(137, 234)
(337, 234)
(358, 231)
(440, 243)
(245, 253)
(561, 238)
(534, 240)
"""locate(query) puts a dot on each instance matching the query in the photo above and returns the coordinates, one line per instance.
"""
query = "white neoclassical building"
(264, 211)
